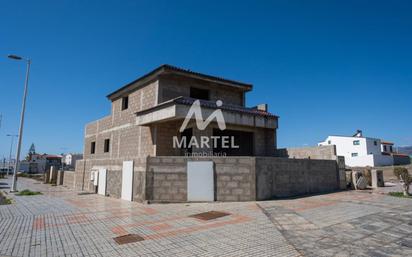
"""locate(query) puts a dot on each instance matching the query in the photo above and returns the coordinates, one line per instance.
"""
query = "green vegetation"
(404, 177)
(28, 192)
(4, 200)
(399, 194)
(38, 177)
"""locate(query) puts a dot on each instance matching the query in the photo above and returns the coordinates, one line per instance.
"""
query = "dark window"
(187, 133)
(329, 142)
(106, 145)
(125, 103)
(93, 147)
(354, 154)
(241, 138)
(375, 143)
(199, 93)
(384, 148)
(356, 142)
(390, 149)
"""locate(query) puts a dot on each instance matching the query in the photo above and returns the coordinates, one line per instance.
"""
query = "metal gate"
(127, 181)
(101, 190)
(200, 181)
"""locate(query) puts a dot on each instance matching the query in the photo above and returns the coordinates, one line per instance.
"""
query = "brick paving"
(63, 223)
(348, 223)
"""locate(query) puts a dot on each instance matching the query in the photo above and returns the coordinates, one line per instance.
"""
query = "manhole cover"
(210, 215)
(127, 239)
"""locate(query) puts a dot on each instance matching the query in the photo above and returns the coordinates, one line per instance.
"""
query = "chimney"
(261, 107)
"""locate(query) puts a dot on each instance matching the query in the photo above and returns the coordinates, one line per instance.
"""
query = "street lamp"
(20, 136)
(11, 150)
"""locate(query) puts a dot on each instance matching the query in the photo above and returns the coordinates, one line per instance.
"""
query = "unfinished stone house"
(138, 152)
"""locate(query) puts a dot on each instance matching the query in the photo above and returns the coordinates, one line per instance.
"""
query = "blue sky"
(325, 67)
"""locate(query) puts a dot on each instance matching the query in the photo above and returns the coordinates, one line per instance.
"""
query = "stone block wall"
(234, 178)
(114, 176)
(68, 179)
(126, 138)
(164, 179)
(114, 183)
(60, 176)
(327, 152)
(173, 86)
(283, 177)
(342, 173)
(53, 175)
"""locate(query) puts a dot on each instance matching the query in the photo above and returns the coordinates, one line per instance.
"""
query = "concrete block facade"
(234, 178)
(327, 152)
(283, 177)
(164, 179)
(173, 86)
(69, 179)
(126, 138)
(144, 119)
(130, 140)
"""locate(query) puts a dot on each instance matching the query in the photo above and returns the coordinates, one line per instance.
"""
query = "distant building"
(39, 163)
(386, 147)
(360, 151)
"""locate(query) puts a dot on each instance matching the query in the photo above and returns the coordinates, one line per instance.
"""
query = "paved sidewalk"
(345, 224)
(63, 223)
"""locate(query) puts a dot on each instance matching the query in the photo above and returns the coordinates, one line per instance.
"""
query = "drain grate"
(210, 215)
(127, 239)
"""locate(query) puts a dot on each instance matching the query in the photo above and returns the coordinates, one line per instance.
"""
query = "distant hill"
(405, 150)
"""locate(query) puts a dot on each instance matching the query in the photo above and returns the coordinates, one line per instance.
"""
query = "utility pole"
(11, 150)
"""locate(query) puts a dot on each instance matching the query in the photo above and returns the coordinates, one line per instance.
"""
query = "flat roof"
(354, 137)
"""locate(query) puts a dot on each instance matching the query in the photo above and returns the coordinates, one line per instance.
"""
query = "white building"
(386, 147)
(360, 151)
(71, 158)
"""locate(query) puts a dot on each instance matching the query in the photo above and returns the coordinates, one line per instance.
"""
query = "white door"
(94, 175)
(200, 181)
(127, 181)
(101, 190)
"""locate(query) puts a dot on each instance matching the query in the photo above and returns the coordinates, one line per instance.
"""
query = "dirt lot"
(388, 172)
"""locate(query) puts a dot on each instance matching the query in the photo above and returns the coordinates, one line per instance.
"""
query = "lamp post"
(11, 150)
(20, 136)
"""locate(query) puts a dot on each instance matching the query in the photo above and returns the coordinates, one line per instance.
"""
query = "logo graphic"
(204, 145)
(196, 111)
